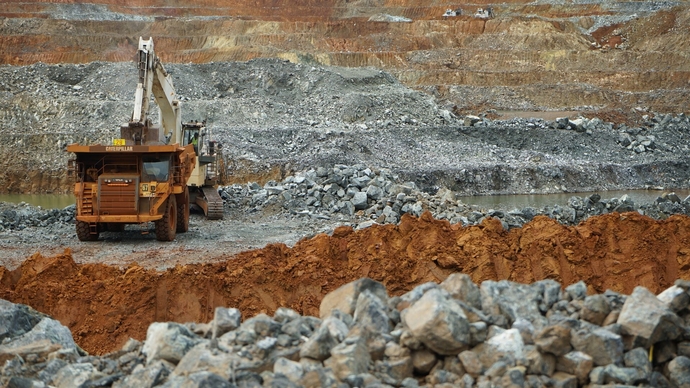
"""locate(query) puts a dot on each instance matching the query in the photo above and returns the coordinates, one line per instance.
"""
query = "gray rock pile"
(269, 113)
(579, 124)
(21, 216)
(453, 334)
(641, 139)
(638, 139)
(366, 196)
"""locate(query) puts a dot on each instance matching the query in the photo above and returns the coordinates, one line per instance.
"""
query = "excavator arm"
(154, 79)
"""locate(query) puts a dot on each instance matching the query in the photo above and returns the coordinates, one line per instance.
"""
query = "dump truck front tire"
(183, 211)
(84, 232)
(166, 226)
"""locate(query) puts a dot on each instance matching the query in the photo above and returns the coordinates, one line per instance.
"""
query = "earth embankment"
(105, 305)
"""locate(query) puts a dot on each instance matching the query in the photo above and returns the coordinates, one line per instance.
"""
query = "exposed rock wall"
(530, 56)
(275, 117)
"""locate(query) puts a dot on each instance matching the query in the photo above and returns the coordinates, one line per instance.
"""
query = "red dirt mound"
(104, 306)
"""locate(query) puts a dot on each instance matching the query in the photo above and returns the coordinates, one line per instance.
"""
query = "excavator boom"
(155, 80)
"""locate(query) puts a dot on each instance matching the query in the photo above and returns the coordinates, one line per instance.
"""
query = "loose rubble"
(276, 118)
(379, 196)
(452, 334)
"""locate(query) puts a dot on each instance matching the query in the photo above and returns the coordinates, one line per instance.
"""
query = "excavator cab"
(205, 175)
(193, 133)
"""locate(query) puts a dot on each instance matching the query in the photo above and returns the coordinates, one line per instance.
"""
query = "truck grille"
(118, 195)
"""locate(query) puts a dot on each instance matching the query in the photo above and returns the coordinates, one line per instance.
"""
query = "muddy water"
(541, 200)
(46, 201)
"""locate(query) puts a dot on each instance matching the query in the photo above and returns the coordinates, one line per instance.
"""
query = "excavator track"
(211, 203)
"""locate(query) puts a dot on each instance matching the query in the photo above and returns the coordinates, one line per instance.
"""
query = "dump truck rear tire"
(166, 226)
(84, 232)
(183, 211)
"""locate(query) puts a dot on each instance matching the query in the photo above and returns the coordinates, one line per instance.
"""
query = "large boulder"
(461, 287)
(76, 375)
(201, 358)
(675, 298)
(513, 301)
(576, 363)
(646, 320)
(168, 341)
(46, 329)
(438, 322)
(23, 329)
(147, 376)
(224, 320)
(679, 372)
(506, 345)
(359, 200)
(554, 339)
(605, 347)
(539, 363)
(345, 297)
(261, 325)
(371, 313)
(350, 357)
(291, 369)
(595, 309)
(17, 319)
(319, 345)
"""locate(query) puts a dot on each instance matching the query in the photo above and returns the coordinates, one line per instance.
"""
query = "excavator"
(151, 173)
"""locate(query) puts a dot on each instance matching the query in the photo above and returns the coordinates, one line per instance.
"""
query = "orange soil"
(104, 306)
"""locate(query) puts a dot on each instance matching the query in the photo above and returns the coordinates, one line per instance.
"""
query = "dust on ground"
(205, 241)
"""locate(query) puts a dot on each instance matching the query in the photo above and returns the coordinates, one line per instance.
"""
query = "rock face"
(275, 117)
(468, 58)
(438, 322)
(646, 319)
(427, 337)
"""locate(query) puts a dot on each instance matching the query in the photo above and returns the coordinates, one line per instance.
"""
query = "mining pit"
(291, 88)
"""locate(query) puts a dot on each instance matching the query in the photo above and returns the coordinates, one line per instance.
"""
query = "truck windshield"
(156, 168)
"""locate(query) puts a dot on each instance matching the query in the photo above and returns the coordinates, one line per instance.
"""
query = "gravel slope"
(274, 117)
